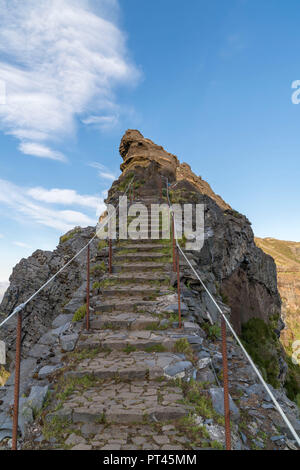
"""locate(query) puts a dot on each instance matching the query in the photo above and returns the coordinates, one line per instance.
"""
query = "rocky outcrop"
(138, 151)
(30, 274)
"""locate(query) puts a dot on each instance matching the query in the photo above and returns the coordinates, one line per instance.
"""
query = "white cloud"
(103, 171)
(39, 150)
(60, 59)
(101, 122)
(64, 196)
(1, 235)
(21, 204)
(21, 244)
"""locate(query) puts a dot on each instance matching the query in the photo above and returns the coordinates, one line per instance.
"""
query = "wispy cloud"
(21, 244)
(64, 196)
(59, 59)
(20, 204)
(103, 171)
(39, 150)
(101, 122)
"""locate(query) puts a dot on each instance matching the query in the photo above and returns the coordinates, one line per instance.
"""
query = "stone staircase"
(130, 356)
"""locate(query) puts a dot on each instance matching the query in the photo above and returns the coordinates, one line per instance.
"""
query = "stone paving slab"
(134, 366)
(139, 339)
(118, 304)
(123, 402)
(141, 255)
(133, 437)
(131, 321)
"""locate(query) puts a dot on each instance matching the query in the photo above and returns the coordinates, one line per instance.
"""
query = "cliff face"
(287, 257)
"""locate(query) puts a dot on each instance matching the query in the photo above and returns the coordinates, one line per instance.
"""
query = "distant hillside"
(287, 257)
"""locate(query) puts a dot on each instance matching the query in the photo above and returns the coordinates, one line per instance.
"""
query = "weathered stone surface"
(37, 397)
(25, 416)
(82, 447)
(217, 396)
(61, 320)
(68, 342)
(178, 368)
(73, 440)
(48, 370)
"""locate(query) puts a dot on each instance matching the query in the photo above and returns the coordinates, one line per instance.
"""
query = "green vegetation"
(69, 235)
(292, 384)
(217, 445)
(96, 285)
(98, 269)
(213, 331)
(155, 348)
(81, 355)
(102, 244)
(79, 314)
(195, 433)
(183, 346)
(56, 428)
(196, 395)
(129, 349)
(263, 346)
(125, 182)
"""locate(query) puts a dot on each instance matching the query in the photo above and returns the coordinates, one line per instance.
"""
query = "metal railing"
(226, 323)
(18, 311)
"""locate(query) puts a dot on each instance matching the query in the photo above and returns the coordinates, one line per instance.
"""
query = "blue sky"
(209, 80)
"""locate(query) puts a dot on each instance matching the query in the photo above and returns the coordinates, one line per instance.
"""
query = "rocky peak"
(138, 151)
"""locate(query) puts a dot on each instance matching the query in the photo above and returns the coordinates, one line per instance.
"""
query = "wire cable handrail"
(278, 407)
(20, 307)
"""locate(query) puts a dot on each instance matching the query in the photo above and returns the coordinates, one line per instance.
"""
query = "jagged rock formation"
(138, 152)
(30, 274)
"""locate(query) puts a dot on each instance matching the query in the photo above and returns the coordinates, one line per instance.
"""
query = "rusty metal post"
(160, 189)
(88, 289)
(178, 290)
(226, 387)
(109, 249)
(174, 245)
(17, 384)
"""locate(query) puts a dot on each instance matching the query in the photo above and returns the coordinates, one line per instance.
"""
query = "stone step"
(133, 290)
(137, 246)
(127, 403)
(132, 321)
(140, 277)
(138, 267)
(140, 242)
(115, 304)
(138, 365)
(139, 255)
(131, 340)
